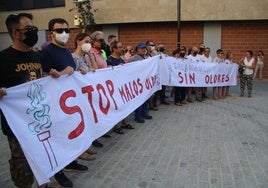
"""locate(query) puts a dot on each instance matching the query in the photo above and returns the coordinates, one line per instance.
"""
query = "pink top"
(101, 63)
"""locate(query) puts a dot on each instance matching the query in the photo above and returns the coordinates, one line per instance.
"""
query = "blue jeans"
(142, 110)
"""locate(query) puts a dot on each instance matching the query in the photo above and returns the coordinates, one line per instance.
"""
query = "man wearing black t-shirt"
(19, 64)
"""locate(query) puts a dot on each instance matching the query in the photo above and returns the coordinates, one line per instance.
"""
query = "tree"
(84, 14)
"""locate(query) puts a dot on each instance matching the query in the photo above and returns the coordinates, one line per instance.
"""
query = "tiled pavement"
(221, 143)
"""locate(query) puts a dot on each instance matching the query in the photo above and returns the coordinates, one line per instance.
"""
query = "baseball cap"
(141, 45)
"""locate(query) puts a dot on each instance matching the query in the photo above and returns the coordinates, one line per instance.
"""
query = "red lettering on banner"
(101, 92)
(184, 78)
(227, 78)
(129, 84)
(141, 86)
(135, 87)
(148, 84)
(71, 110)
(127, 92)
(217, 78)
(130, 90)
(223, 78)
(110, 87)
(89, 90)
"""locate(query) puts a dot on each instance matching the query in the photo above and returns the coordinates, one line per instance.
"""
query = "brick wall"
(237, 36)
(246, 35)
(131, 34)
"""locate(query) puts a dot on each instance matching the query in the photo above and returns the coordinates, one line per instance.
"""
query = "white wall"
(110, 30)
(212, 36)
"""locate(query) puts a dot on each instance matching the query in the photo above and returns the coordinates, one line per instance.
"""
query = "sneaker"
(75, 167)
(97, 144)
(139, 120)
(63, 180)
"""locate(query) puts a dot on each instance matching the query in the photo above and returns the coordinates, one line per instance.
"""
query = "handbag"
(241, 70)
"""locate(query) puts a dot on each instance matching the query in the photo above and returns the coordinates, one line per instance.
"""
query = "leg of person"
(223, 91)
(183, 95)
(260, 73)
(138, 115)
(197, 96)
(152, 105)
(215, 93)
(163, 96)
(256, 70)
(189, 93)
(21, 173)
(145, 110)
(227, 91)
(176, 95)
(242, 84)
(220, 92)
(249, 85)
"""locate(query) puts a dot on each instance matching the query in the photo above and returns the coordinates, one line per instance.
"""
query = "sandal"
(127, 126)
(118, 131)
(91, 152)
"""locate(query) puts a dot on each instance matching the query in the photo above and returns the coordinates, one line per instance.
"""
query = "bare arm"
(56, 74)
(91, 62)
(2, 92)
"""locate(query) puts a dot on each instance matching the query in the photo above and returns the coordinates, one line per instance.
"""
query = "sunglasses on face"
(60, 30)
(29, 28)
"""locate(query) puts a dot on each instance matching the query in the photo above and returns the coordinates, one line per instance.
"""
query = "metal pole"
(179, 22)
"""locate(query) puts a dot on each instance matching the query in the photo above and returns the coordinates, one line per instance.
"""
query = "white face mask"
(86, 47)
(62, 38)
(152, 48)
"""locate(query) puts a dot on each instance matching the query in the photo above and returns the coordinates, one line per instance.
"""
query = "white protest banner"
(55, 120)
(188, 73)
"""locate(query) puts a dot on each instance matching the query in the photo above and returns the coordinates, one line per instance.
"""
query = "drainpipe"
(179, 22)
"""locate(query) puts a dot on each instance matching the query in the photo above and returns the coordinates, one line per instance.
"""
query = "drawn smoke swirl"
(39, 110)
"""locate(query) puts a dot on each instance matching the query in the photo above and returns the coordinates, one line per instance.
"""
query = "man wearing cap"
(141, 112)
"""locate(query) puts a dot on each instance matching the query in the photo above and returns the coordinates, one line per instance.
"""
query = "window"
(12, 5)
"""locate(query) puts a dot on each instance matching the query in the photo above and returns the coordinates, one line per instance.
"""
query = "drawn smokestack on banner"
(41, 123)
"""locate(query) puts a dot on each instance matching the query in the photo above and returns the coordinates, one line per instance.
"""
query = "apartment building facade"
(236, 25)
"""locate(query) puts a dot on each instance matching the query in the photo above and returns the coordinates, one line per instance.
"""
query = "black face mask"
(182, 54)
(161, 49)
(31, 36)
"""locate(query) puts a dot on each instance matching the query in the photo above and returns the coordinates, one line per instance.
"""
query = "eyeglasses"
(151, 45)
(29, 28)
(60, 30)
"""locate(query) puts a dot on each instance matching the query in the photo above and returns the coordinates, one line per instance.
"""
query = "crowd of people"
(91, 53)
